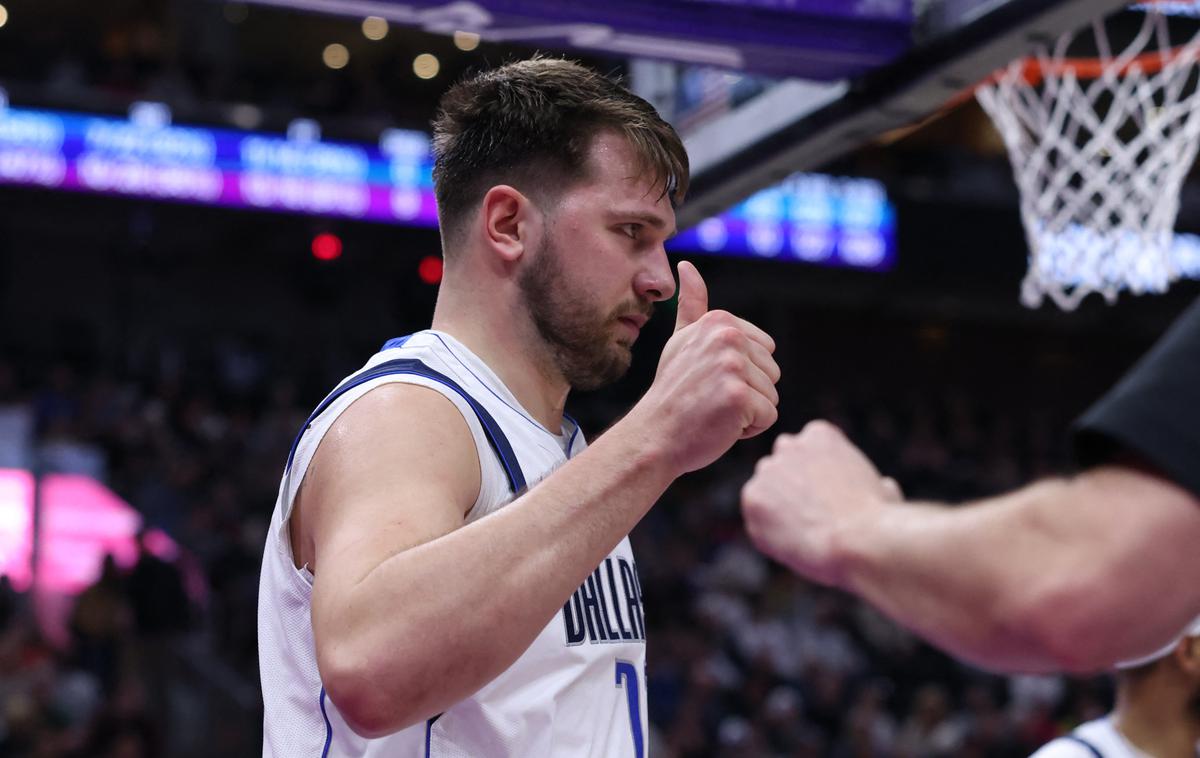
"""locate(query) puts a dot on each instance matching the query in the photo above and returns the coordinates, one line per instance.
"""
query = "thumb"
(693, 296)
(891, 489)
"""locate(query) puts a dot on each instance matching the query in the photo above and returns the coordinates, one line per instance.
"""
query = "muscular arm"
(1065, 574)
(413, 611)
(1068, 574)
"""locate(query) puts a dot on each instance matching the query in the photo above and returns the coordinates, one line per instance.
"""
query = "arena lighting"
(430, 269)
(81, 521)
(149, 115)
(466, 41)
(426, 66)
(3, 15)
(303, 130)
(327, 247)
(807, 218)
(335, 55)
(374, 28)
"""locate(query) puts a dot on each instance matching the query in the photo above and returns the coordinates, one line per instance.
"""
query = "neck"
(504, 339)
(1154, 713)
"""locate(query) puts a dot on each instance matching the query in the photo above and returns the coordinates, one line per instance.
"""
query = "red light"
(326, 247)
(430, 269)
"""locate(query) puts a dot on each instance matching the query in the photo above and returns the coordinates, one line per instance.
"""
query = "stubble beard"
(579, 339)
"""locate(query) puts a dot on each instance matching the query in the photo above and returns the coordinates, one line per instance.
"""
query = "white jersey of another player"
(1094, 739)
(578, 690)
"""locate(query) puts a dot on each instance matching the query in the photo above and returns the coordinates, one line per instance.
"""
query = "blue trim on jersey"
(328, 726)
(1091, 748)
(397, 342)
(574, 434)
(429, 735)
(500, 444)
(487, 387)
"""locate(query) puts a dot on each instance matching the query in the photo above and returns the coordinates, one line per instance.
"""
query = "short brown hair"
(530, 124)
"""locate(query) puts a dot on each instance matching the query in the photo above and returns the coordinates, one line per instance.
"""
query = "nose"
(655, 282)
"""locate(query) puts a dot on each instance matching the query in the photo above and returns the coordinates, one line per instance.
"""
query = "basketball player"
(1070, 573)
(1157, 713)
(407, 607)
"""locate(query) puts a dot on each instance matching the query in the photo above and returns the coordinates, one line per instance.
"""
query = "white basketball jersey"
(1094, 739)
(578, 690)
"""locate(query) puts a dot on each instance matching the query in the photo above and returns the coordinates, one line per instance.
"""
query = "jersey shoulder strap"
(1090, 747)
(499, 442)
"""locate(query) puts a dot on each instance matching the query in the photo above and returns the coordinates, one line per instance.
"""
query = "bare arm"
(1064, 574)
(412, 611)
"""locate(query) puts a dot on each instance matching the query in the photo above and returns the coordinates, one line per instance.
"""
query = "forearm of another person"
(1066, 574)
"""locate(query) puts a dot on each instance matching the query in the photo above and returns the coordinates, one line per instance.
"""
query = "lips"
(634, 324)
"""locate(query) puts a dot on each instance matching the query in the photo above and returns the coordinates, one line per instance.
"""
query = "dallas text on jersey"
(607, 607)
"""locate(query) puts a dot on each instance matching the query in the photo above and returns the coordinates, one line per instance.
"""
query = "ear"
(510, 222)
(1187, 655)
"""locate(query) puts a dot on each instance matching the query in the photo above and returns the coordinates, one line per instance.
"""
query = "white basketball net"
(1100, 163)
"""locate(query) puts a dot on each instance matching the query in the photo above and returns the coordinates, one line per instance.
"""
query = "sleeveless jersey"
(1093, 739)
(578, 690)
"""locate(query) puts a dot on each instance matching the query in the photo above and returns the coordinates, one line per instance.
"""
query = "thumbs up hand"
(715, 382)
(693, 296)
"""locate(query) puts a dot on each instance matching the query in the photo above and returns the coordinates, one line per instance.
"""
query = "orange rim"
(1094, 68)
(1033, 71)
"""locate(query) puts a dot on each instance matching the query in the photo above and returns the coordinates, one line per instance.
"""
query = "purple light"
(82, 521)
(16, 526)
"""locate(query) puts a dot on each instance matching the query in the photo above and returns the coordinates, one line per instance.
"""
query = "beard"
(578, 333)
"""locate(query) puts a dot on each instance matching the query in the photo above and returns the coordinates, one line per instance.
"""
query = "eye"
(631, 230)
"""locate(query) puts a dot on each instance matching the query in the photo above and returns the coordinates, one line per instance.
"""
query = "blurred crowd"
(744, 659)
(158, 658)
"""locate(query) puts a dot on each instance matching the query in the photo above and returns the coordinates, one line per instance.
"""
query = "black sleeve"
(1153, 413)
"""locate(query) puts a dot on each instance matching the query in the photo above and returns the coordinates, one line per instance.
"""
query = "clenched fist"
(808, 494)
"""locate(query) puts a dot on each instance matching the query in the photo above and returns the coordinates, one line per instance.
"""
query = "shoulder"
(399, 441)
(1152, 413)
(400, 415)
(400, 458)
(1064, 747)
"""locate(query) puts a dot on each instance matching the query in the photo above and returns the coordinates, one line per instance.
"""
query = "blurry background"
(211, 212)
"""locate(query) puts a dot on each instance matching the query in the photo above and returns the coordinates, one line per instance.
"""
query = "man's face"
(592, 283)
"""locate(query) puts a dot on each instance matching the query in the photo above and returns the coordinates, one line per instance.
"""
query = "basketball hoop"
(1100, 147)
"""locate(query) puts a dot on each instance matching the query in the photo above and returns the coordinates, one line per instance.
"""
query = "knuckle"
(736, 391)
(820, 428)
(751, 503)
(730, 362)
(729, 336)
(719, 317)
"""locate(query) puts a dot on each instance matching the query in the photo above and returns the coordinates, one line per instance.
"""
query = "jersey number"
(627, 677)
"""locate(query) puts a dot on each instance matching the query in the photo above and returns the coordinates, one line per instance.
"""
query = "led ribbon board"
(808, 218)
(219, 166)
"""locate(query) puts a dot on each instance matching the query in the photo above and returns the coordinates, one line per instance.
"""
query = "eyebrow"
(649, 219)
